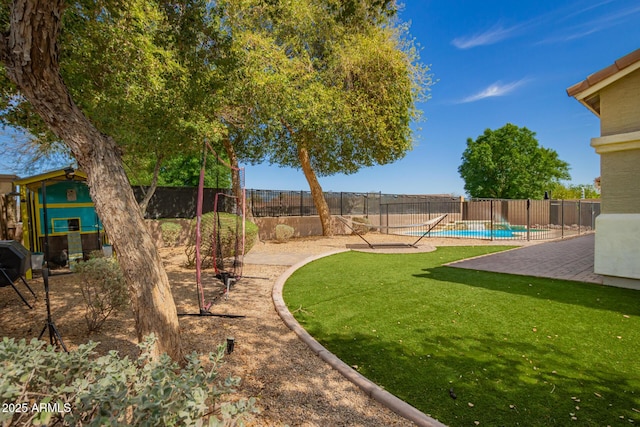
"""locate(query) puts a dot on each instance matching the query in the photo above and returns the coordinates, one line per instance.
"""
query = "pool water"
(480, 234)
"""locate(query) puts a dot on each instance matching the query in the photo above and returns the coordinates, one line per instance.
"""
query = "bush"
(284, 232)
(170, 233)
(227, 228)
(78, 389)
(360, 225)
(103, 289)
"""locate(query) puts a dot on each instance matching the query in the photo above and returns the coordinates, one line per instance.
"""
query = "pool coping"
(371, 389)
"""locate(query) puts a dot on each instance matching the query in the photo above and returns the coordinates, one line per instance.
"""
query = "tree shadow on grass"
(588, 295)
(496, 382)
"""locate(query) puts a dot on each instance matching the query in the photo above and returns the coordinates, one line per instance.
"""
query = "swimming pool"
(478, 234)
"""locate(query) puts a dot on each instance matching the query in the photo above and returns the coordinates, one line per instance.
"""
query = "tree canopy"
(508, 163)
(142, 72)
(325, 86)
(573, 191)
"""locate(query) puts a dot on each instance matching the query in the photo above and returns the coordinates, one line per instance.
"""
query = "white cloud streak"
(556, 21)
(598, 24)
(493, 35)
(496, 89)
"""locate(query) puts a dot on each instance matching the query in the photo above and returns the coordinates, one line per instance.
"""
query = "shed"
(58, 215)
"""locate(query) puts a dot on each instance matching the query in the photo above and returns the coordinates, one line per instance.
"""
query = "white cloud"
(559, 24)
(595, 25)
(496, 89)
(493, 35)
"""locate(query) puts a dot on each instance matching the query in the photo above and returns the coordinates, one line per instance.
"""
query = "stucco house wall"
(620, 106)
(613, 94)
(619, 170)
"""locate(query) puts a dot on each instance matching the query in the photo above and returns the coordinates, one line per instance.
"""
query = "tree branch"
(148, 194)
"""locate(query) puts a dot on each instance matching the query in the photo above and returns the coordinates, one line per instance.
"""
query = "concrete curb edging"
(372, 390)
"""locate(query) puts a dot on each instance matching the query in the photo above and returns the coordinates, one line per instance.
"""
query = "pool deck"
(566, 259)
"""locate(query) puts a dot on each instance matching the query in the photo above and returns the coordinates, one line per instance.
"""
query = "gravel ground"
(293, 386)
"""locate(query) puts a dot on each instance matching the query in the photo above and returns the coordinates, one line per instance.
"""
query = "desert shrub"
(103, 288)
(78, 388)
(284, 232)
(227, 228)
(361, 225)
(170, 233)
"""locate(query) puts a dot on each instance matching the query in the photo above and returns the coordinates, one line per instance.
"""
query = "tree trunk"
(316, 191)
(30, 56)
(148, 194)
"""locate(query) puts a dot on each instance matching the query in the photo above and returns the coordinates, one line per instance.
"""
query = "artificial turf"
(515, 350)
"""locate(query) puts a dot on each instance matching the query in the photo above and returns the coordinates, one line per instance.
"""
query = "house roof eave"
(587, 90)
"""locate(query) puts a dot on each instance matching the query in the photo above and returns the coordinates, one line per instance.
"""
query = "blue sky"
(494, 62)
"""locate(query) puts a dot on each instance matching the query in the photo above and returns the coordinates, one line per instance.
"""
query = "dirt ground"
(292, 386)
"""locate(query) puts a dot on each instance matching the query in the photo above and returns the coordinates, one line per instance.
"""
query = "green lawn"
(515, 350)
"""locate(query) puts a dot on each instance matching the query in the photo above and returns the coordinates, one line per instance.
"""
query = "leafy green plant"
(46, 387)
(103, 289)
(223, 226)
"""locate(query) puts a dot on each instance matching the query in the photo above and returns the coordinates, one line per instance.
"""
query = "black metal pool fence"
(475, 218)
(496, 219)
(274, 203)
(393, 213)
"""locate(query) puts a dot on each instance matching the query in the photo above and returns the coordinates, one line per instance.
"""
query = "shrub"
(227, 227)
(360, 225)
(170, 233)
(284, 232)
(103, 288)
(79, 389)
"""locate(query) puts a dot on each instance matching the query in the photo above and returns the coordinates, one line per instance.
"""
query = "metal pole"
(562, 218)
(380, 206)
(45, 220)
(366, 205)
(491, 218)
(580, 215)
(528, 220)
(387, 218)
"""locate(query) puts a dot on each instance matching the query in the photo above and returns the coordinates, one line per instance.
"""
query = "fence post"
(341, 203)
(562, 218)
(528, 220)
(301, 203)
(579, 218)
(387, 205)
(491, 218)
(380, 207)
(365, 205)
